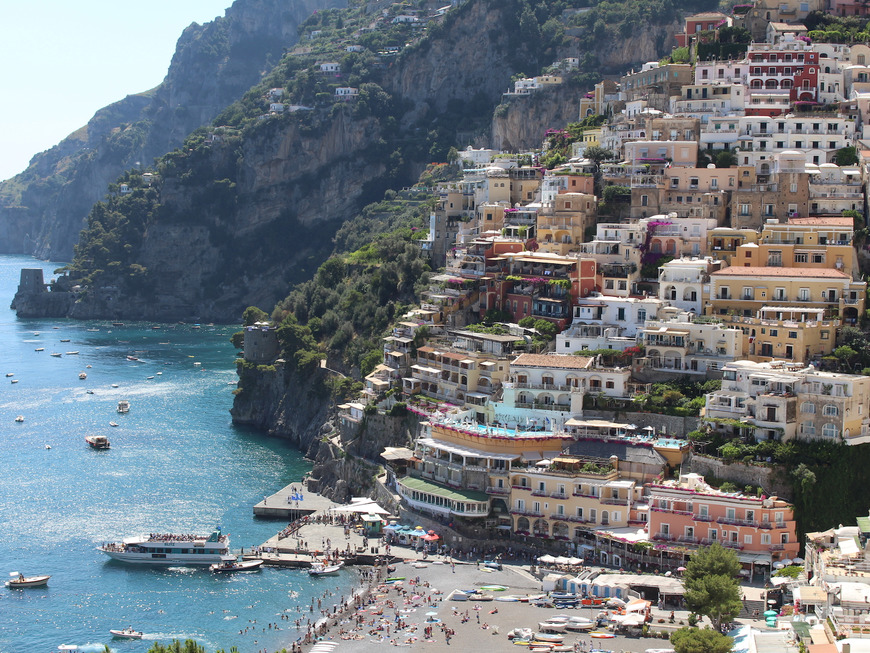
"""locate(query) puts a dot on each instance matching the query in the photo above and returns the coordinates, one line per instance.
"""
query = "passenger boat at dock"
(171, 549)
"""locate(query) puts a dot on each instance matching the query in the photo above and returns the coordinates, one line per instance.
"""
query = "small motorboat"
(580, 623)
(8, 374)
(39, 349)
(231, 564)
(113, 423)
(90, 392)
(552, 626)
(64, 339)
(14, 380)
(549, 638)
(127, 633)
(56, 354)
(19, 418)
(20, 580)
(148, 378)
(321, 569)
(601, 635)
(72, 353)
(132, 358)
(48, 446)
(123, 406)
(83, 375)
(97, 441)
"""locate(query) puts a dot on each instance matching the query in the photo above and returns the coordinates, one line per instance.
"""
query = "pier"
(292, 503)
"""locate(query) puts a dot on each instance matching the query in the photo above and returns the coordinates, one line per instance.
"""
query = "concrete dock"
(291, 503)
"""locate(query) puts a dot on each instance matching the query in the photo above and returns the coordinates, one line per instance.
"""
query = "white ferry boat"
(170, 549)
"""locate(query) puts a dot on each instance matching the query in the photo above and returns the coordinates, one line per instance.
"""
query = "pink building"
(690, 512)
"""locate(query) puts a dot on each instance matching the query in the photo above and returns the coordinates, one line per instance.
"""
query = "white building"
(684, 282)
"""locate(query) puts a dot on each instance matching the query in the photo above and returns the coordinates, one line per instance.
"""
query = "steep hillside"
(244, 210)
(43, 209)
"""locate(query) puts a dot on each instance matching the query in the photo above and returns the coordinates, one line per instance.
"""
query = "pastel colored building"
(689, 512)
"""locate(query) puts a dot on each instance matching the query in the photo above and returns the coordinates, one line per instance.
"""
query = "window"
(712, 534)
(580, 513)
(593, 515)
(800, 258)
(818, 258)
(792, 334)
(730, 513)
(747, 539)
(765, 538)
(666, 529)
(808, 407)
(830, 410)
(830, 431)
(703, 511)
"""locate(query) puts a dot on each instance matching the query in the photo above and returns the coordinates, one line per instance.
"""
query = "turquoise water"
(176, 464)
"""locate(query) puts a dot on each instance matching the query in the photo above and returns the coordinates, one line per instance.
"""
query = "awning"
(397, 453)
(464, 451)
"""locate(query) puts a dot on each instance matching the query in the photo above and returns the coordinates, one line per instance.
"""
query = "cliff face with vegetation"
(42, 210)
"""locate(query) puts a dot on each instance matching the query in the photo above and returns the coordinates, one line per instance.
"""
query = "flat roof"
(561, 361)
(421, 485)
(465, 451)
(765, 271)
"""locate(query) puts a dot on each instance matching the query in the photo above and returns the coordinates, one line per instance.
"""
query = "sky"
(62, 60)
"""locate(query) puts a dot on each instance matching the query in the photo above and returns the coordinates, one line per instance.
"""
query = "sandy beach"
(416, 613)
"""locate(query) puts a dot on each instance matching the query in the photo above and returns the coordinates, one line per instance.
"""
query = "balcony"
(614, 502)
(526, 513)
(558, 495)
(560, 407)
(498, 490)
(540, 386)
(732, 545)
(688, 539)
(776, 547)
(664, 537)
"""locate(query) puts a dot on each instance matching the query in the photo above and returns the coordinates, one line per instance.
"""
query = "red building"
(790, 66)
(704, 22)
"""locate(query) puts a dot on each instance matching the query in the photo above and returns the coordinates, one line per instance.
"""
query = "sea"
(176, 464)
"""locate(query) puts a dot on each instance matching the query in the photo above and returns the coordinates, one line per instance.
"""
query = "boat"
(39, 349)
(72, 353)
(552, 626)
(520, 633)
(97, 441)
(114, 385)
(64, 339)
(322, 569)
(20, 580)
(56, 354)
(170, 549)
(19, 418)
(14, 380)
(132, 358)
(580, 623)
(8, 374)
(90, 392)
(549, 638)
(113, 423)
(123, 406)
(117, 324)
(231, 564)
(148, 378)
(93, 329)
(127, 633)
(601, 635)
(83, 375)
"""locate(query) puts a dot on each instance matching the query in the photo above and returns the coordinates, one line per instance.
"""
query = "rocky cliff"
(42, 210)
(521, 125)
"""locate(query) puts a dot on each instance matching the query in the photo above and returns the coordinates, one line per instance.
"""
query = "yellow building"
(722, 242)
(561, 230)
(744, 291)
(797, 334)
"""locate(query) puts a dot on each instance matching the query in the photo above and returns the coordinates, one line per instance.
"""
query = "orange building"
(689, 512)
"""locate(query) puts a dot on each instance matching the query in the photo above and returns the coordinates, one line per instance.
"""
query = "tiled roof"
(560, 361)
(818, 273)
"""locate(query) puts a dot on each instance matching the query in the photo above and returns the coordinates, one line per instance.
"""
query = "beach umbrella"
(770, 613)
(544, 463)
(778, 565)
(787, 562)
(561, 560)
(797, 561)
(681, 569)
(547, 559)
(431, 614)
(575, 561)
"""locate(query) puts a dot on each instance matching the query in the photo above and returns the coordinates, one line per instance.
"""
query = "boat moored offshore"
(170, 549)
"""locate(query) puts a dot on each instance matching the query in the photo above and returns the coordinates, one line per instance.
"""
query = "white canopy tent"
(364, 506)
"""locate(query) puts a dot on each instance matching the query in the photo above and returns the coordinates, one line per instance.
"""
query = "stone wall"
(667, 424)
(770, 479)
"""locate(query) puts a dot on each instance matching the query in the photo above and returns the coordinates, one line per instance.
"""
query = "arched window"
(808, 428)
(830, 431)
(808, 407)
(830, 410)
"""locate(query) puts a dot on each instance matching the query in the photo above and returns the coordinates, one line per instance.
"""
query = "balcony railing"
(498, 490)
(615, 502)
(526, 513)
(538, 406)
